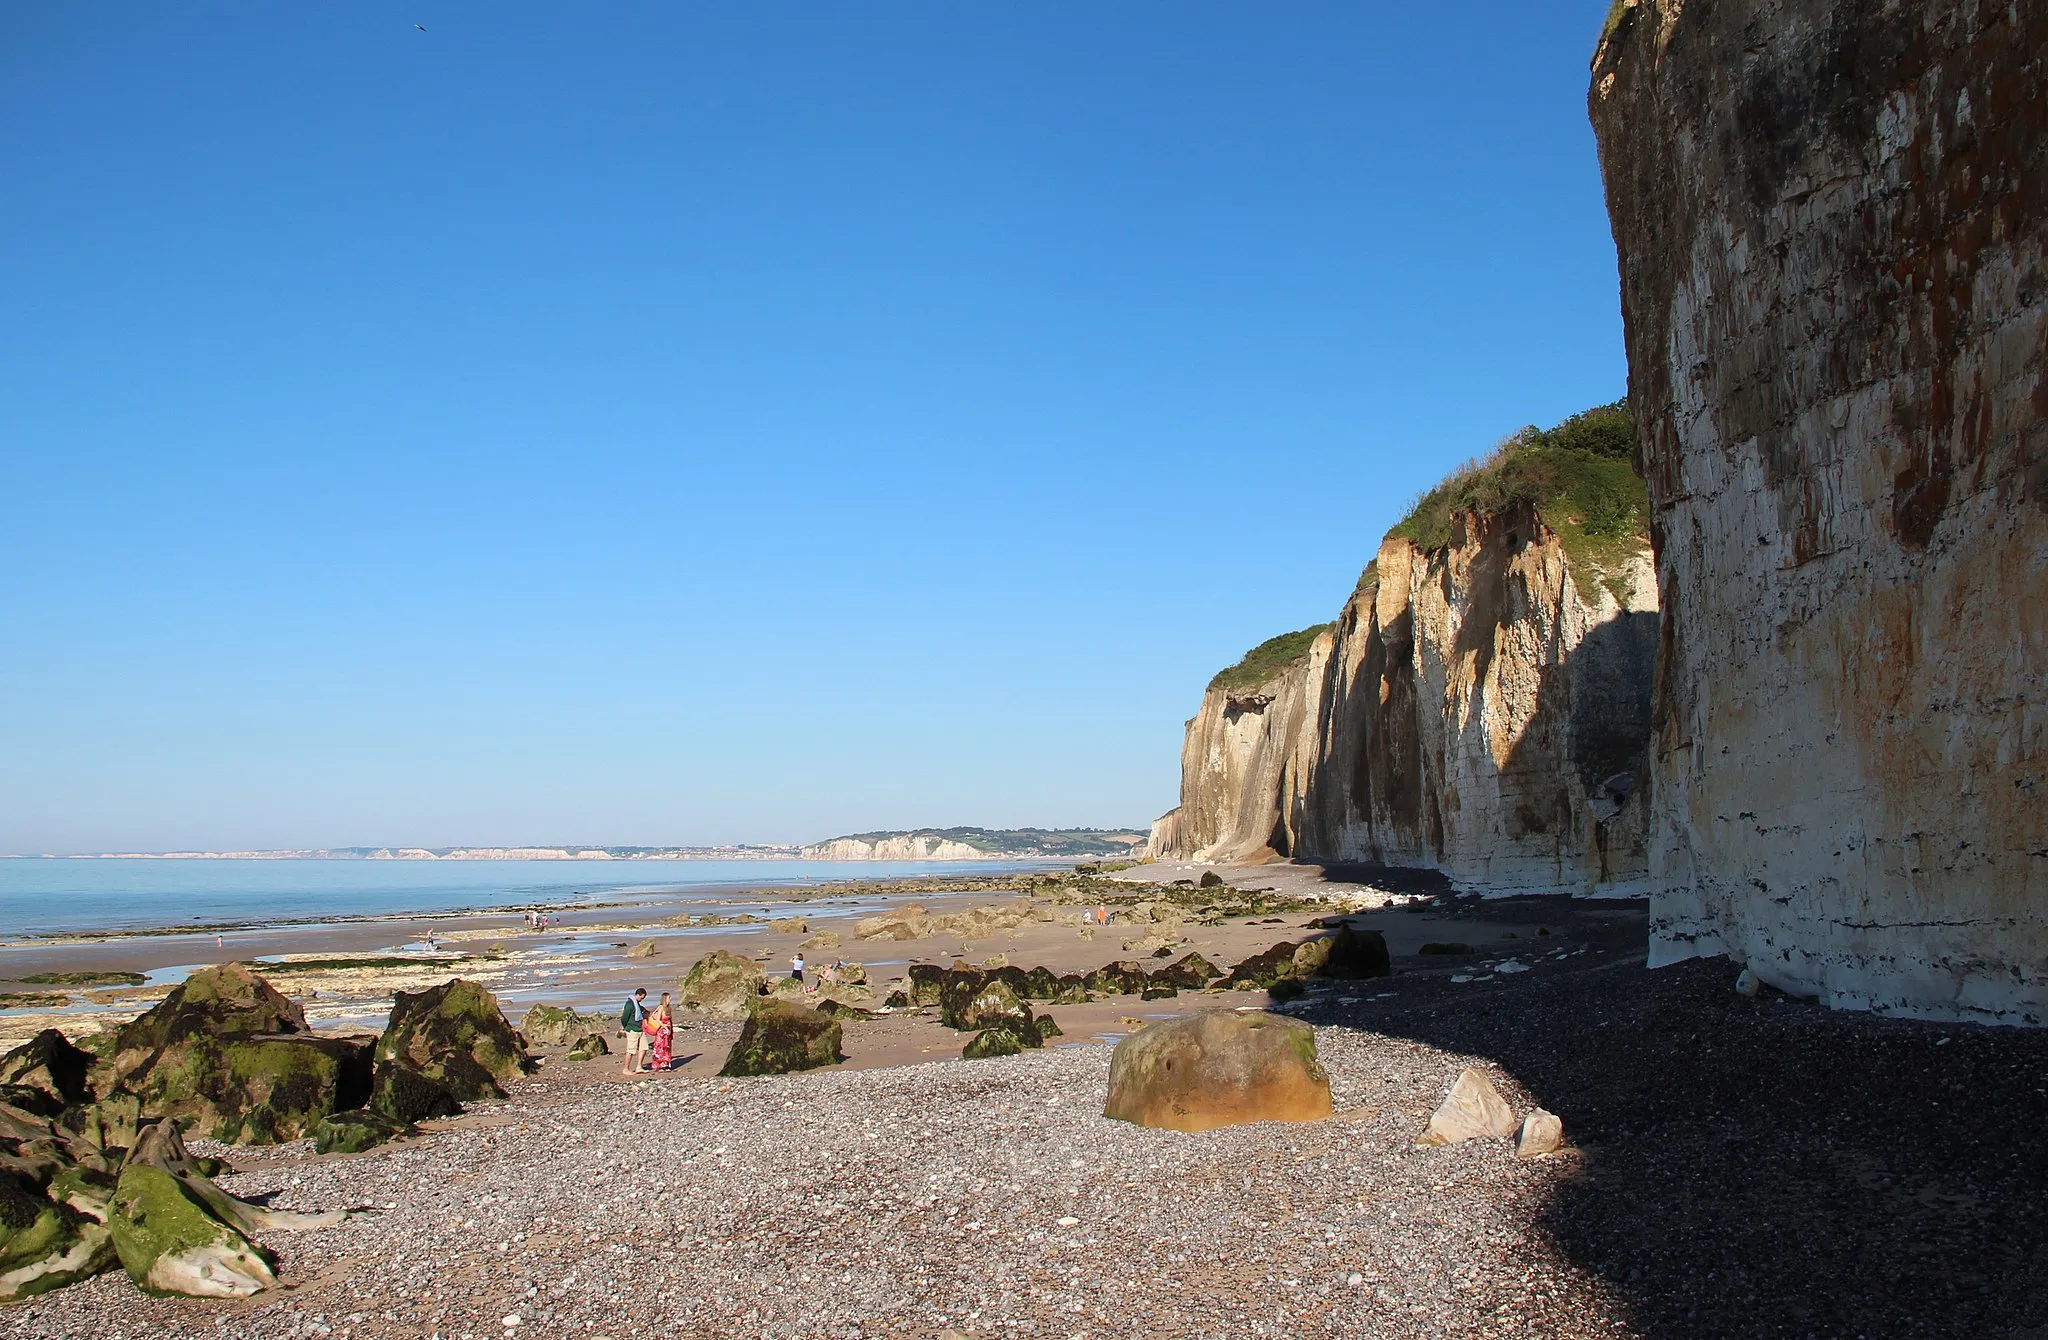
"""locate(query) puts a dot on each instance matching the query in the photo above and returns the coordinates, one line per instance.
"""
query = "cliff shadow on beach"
(1766, 1166)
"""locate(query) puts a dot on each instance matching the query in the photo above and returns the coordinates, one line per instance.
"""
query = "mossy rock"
(456, 1034)
(355, 1131)
(1127, 978)
(975, 1001)
(253, 1089)
(1355, 954)
(558, 1026)
(49, 1063)
(926, 981)
(589, 1045)
(1286, 988)
(838, 1009)
(169, 1242)
(1071, 989)
(780, 1037)
(1264, 968)
(1040, 984)
(897, 1000)
(1189, 972)
(721, 985)
(226, 1001)
(992, 1042)
(404, 1095)
(1162, 991)
(45, 1243)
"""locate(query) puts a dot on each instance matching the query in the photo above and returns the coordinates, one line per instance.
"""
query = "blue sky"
(691, 423)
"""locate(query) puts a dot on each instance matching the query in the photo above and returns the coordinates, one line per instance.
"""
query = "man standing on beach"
(633, 1018)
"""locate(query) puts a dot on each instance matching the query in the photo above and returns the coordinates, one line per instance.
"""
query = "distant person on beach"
(633, 1019)
(661, 1026)
(796, 967)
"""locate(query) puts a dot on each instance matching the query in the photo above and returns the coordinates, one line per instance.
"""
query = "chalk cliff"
(1473, 709)
(908, 847)
(1832, 217)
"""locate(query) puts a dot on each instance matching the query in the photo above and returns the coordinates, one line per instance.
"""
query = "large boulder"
(406, 1095)
(48, 1064)
(1263, 969)
(1356, 953)
(559, 1026)
(355, 1131)
(1218, 1068)
(722, 985)
(926, 982)
(971, 999)
(44, 1243)
(177, 1233)
(1126, 978)
(780, 1037)
(227, 1053)
(455, 1034)
(1189, 972)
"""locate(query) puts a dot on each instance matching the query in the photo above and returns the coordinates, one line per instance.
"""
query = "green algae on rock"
(780, 1037)
(455, 1034)
(721, 985)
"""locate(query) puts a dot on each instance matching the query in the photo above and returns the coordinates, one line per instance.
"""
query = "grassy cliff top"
(1267, 659)
(1580, 477)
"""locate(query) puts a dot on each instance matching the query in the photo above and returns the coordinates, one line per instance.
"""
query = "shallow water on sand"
(51, 895)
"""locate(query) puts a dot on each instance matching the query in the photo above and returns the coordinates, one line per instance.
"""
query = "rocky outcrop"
(1481, 708)
(455, 1035)
(229, 1055)
(1831, 217)
(1217, 1068)
(780, 1037)
(722, 985)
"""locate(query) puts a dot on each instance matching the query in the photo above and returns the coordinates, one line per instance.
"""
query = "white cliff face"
(912, 847)
(1831, 217)
(1470, 711)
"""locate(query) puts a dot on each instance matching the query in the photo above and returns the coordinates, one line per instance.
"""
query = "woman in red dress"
(661, 1026)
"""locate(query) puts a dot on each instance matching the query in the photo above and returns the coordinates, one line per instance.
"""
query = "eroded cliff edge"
(1480, 706)
(1831, 217)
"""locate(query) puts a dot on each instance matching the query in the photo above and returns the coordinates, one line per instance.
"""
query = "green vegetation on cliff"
(1580, 477)
(1268, 659)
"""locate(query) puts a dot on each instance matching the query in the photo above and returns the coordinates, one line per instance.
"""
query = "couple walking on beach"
(647, 1030)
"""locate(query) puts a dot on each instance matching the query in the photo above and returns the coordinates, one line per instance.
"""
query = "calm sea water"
(39, 895)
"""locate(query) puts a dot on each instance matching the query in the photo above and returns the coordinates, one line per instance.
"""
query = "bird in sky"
(421, 26)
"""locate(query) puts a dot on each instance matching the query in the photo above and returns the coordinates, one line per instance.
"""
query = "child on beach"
(796, 966)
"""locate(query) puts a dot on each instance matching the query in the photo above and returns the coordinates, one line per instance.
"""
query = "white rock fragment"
(1474, 1108)
(1747, 984)
(1542, 1133)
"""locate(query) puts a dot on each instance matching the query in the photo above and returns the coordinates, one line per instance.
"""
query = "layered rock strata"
(1831, 217)
(1472, 710)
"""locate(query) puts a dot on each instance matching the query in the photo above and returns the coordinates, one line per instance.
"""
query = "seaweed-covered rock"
(1264, 968)
(1040, 984)
(178, 1233)
(1189, 972)
(44, 1243)
(897, 1000)
(838, 1009)
(1127, 978)
(229, 1054)
(407, 1096)
(721, 985)
(1356, 953)
(1159, 991)
(1217, 1068)
(972, 1003)
(355, 1131)
(589, 1045)
(1071, 989)
(780, 1037)
(49, 1064)
(926, 981)
(456, 1034)
(1005, 1041)
(559, 1026)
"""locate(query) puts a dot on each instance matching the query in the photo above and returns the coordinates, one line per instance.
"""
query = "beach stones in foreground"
(780, 1037)
(722, 985)
(1473, 1109)
(1218, 1068)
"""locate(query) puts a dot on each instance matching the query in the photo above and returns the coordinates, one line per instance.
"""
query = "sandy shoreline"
(583, 961)
(1737, 1167)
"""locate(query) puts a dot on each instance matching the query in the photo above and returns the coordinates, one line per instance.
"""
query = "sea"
(57, 895)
